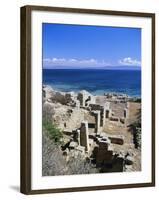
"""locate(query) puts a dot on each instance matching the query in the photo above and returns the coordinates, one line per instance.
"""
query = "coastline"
(96, 81)
(103, 93)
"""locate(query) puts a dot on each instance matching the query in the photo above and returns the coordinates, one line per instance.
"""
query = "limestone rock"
(73, 145)
(129, 160)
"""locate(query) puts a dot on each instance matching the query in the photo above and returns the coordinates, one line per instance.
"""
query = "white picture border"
(54, 182)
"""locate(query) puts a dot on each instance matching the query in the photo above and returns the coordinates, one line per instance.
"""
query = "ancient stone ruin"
(84, 119)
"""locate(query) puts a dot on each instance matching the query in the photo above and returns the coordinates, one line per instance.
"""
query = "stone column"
(82, 96)
(126, 113)
(108, 113)
(83, 100)
(107, 105)
(103, 111)
(84, 135)
(77, 104)
(78, 137)
(127, 105)
(97, 121)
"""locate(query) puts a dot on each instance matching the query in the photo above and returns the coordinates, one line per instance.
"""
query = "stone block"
(84, 135)
(129, 160)
(97, 121)
(122, 120)
(126, 113)
(115, 119)
(117, 139)
(73, 145)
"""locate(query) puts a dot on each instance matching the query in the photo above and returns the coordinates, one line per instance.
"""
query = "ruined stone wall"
(75, 119)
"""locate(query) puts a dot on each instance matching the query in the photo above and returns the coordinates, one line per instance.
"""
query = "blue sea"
(95, 81)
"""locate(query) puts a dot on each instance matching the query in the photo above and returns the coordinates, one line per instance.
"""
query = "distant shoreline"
(98, 68)
(103, 94)
(94, 81)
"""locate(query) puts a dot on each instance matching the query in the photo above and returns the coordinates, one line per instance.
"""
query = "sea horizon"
(96, 81)
(125, 68)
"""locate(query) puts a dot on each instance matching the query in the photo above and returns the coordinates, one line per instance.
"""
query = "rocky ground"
(67, 111)
(114, 128)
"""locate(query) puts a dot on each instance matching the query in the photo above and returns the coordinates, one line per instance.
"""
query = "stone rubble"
(71, 112)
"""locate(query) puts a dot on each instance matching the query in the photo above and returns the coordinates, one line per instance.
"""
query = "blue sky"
(75, 46)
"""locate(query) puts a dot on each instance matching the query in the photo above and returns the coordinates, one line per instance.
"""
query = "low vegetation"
(136, 130)
(54, 162)
(136, 100)
(54, 133)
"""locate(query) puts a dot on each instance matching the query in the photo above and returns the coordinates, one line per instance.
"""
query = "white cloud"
(129, 62)
(71, 62)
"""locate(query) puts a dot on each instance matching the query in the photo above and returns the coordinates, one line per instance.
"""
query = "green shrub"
(138, 138)
(136, 130)
(54, 133)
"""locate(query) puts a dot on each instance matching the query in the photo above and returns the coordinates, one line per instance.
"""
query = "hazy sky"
(76, 46)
